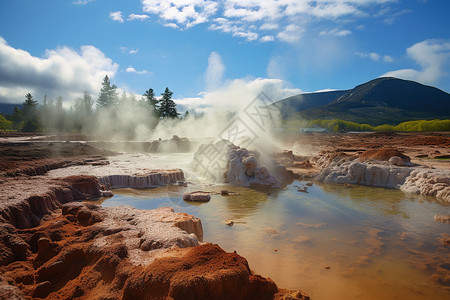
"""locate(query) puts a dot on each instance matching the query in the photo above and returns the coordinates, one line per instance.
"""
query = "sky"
(203, 49)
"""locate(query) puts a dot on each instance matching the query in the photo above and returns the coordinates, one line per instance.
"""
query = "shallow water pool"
(333, 241)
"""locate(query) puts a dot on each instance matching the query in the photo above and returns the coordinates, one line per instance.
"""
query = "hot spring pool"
(335, 242)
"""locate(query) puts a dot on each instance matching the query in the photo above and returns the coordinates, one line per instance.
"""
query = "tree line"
(336, 125)
(124, 111)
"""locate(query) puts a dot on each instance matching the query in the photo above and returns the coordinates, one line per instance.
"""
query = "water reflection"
(335, 241)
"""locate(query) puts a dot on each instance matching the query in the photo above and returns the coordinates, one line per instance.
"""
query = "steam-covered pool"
(333, 241)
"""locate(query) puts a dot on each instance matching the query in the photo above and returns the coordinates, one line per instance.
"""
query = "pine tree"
(87, 103)
(60, 115)
(150, 98)
(108, 94)
(29, 111)
(44, 113)
(167, 107)
(152, 102)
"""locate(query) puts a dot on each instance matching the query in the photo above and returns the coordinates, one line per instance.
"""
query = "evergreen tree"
(60, 115)
(88, 102)
(108, 94)
(16, 118)
(151, 100)
(29, 113)
(167, 108)
(45, 113)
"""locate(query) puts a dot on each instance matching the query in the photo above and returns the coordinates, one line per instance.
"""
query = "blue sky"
(198, 47)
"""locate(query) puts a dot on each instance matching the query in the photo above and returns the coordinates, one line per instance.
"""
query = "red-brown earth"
(49, 248)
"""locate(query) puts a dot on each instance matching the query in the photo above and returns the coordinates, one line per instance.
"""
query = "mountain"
(308, 100)
(384, 100)
(8, 108)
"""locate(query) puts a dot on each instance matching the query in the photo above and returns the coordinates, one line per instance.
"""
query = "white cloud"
(336, 32)
(133, 17)
(291, 34)
(61, 72)
(267, 38)
(388, 58)
(432, 56)
(171, 25)
(82, 2)
(269, 26)
(130, 69)
(214, 71)
(128, 50)
(235, 28)
(116, 16)
(250, 19)
(375, 56)
(372, 55)
(187, 13)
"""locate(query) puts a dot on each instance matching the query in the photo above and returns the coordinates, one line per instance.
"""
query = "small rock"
(197, 196)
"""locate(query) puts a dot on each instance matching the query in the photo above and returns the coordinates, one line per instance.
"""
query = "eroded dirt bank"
(52, 246)
(78, 254)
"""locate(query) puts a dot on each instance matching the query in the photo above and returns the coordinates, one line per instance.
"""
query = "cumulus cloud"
(133, 17)
(267, 38)
(214, 71)
(116, 16)
(291, 34)
(60, 72)
(236, 29)
(130, 69)
(171, 25)
(432, 56)
(187, 13)
(250, 19)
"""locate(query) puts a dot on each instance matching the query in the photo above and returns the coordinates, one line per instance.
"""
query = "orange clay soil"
(53, 249)
(61, 259)
(383, 154)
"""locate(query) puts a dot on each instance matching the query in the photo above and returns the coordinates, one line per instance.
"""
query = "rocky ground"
(54, 247)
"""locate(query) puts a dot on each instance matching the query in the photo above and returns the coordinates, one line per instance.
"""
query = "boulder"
(197, 196)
